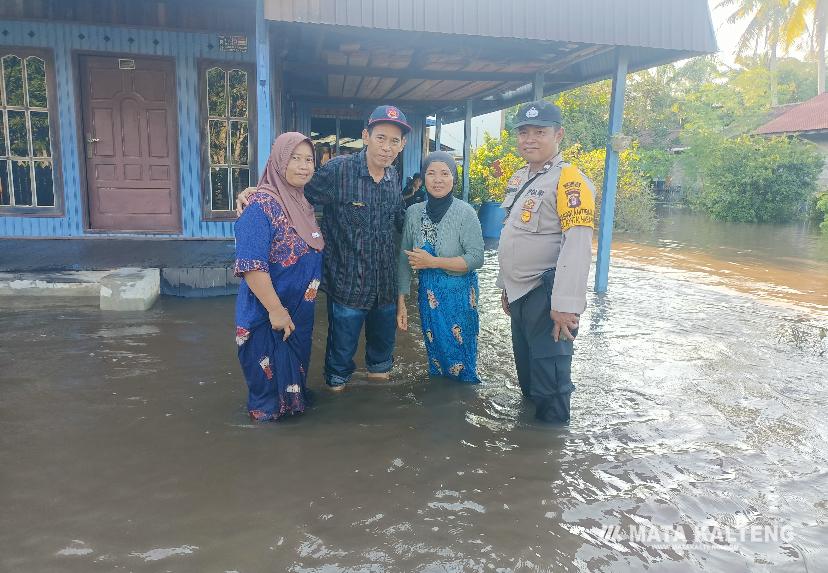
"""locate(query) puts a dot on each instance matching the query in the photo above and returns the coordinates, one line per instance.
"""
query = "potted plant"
(492, 165)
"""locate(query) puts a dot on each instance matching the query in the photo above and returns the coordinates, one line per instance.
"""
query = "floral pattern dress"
(275, 370)
(448, 313)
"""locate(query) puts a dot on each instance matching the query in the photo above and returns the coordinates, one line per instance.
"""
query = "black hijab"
(437, 207)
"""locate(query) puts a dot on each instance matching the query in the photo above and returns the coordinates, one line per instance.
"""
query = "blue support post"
(616, 119)
(538, 85)
(467, 149)
(438, 132)
(413, 152)
(264, 122)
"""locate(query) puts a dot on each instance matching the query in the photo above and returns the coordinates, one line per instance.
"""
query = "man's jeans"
(344, 326)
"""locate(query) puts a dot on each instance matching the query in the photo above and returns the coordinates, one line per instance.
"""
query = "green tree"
(650, 114)
(802, 13)
(765, 30)
(797, 81)
(586, 115)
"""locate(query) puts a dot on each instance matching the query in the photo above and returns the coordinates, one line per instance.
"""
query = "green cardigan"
(458, 235)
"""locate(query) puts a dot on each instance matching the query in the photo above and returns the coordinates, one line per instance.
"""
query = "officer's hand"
(564, 321)
(243, 200)
(504, 302)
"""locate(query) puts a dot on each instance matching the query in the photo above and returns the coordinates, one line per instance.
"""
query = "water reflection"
(697, 410)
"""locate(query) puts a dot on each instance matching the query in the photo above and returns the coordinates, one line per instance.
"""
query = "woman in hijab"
(279, 255)
(442, 240)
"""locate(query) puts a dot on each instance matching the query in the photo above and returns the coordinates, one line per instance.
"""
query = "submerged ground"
(699, 420)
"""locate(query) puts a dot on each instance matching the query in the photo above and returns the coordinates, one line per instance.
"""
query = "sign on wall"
(233, 43)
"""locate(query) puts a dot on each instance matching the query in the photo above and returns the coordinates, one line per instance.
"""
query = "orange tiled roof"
(809, 116)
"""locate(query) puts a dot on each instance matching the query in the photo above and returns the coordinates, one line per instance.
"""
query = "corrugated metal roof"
(679, 25)
(809, 116)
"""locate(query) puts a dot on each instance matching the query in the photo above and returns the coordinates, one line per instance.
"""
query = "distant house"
(808, 120)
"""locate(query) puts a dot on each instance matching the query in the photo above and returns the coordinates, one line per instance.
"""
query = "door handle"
(93, 140)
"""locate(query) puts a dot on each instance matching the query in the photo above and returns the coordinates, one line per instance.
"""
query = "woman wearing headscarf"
(443, 242)
(279, 255)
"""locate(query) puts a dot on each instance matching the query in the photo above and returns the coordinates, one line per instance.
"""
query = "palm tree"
(768, 21)
(815, 12)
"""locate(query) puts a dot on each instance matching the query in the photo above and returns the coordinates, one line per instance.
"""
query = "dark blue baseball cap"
(390, 114)
(539, 113)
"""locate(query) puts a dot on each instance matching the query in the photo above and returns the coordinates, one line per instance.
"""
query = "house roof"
(683, 25)
(438, 54)
(808, 117)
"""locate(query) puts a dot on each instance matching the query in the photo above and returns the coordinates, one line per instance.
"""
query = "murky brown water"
(125, 446)
(781, 263)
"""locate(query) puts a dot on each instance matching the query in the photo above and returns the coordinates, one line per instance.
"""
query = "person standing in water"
(545, 253)
(442, 241)
(279, 257)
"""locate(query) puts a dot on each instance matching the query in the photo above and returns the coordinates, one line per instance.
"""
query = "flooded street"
(700, 409)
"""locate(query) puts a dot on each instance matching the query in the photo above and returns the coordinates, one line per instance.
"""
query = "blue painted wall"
(64, 40)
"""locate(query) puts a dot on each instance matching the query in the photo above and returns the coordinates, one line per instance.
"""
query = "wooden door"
(130, 130)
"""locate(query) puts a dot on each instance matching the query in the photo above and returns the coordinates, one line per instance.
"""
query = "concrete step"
(130, 289)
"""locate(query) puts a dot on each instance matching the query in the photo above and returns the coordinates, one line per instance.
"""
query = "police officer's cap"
(539, 113)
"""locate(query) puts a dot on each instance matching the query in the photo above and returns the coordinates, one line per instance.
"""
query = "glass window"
(229, 153)
(26, 155)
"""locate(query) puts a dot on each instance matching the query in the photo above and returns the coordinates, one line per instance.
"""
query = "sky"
(727, 36)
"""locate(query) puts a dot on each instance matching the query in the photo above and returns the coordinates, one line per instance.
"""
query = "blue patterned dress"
(275, 370)
(448, 313)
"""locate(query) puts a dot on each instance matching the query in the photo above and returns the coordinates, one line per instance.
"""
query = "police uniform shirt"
(548, 226)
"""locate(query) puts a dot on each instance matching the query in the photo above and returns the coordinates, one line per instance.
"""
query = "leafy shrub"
(754, 179)
(494, 162)
(491, 166)
(634, 202)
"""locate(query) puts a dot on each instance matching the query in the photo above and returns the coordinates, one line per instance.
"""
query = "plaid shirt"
(360, 217)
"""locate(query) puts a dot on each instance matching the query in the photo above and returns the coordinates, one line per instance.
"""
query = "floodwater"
(780, 263)
(699, 429)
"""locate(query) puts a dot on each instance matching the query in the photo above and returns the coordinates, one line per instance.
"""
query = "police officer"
(544, 254)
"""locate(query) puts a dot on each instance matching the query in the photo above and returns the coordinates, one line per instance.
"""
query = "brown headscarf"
(299, 212)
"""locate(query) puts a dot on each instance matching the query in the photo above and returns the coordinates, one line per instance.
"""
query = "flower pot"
(491, 219)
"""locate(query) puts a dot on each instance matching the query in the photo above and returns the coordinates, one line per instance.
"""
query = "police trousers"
(544, 367)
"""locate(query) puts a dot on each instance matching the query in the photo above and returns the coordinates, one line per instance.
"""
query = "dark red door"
(130, 132)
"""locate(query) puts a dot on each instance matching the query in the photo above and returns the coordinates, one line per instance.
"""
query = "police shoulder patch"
(575, 201)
